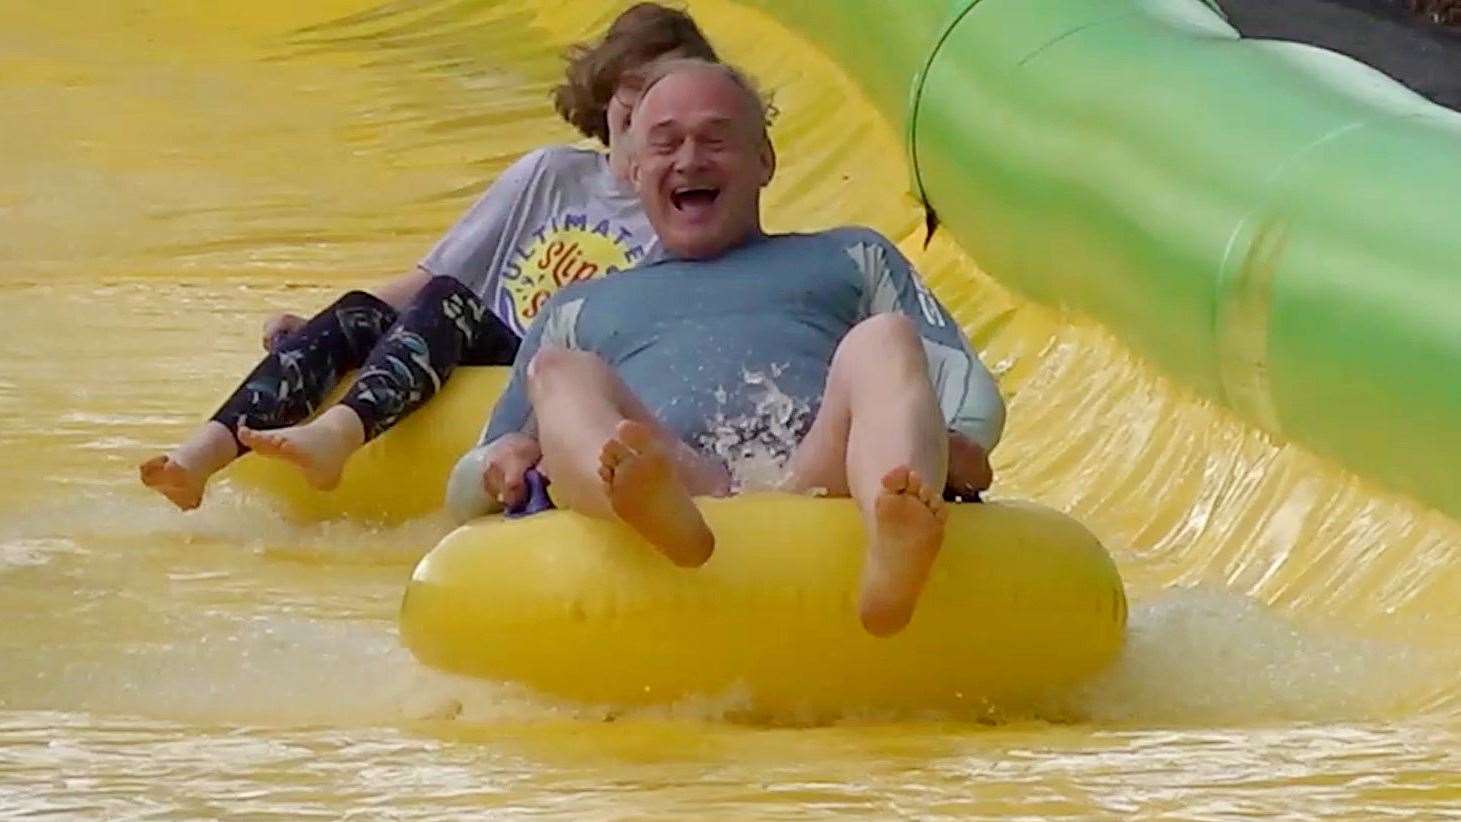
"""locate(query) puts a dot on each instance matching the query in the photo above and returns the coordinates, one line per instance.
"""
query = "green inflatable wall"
(1276, 225)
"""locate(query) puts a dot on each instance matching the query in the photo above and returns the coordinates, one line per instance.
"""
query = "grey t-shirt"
(557, 216)
(732, 354)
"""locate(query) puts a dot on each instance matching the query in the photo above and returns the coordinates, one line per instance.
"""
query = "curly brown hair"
(642, 34)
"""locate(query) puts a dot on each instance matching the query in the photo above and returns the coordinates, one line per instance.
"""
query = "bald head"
(700, 155)
(756, 112)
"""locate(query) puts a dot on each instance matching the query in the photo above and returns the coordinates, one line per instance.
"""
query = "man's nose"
(690, 156)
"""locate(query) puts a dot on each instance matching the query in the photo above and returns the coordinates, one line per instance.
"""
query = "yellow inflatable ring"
(1021, 600)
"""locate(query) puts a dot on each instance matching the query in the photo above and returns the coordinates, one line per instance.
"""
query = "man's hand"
(504, 465)
(969, 470)
(279, 326)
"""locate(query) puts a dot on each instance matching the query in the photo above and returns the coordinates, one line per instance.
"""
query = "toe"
(897, 480)
(150, 469)
(883, 618)
(917, 487)
(614, 452)
(922, 491)
(251, 438)
(636, 435)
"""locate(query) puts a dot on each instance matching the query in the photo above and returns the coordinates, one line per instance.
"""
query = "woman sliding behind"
(624, 387)
(558, 215)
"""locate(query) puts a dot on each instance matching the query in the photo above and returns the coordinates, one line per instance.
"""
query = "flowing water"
(171, 172)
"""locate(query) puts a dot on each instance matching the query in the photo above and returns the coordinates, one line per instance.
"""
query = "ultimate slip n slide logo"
(566, 250)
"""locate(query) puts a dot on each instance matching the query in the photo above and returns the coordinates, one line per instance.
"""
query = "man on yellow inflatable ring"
(622, 388)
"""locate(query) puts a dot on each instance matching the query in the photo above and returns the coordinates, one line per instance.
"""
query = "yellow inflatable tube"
(1022, 600)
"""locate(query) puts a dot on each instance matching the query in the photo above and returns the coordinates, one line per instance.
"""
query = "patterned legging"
(403, 360)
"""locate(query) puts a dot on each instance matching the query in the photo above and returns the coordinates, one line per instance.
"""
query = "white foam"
(756, 446)
(1196, 656)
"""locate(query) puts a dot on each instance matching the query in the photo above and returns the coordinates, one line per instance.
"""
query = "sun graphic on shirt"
(561, 257)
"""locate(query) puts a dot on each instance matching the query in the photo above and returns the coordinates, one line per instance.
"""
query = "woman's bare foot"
(319, 448)
(182, 474)
(174, 480)
(906, 534)
(646, 492)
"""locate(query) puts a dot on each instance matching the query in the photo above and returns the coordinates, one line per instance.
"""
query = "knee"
(553, 365)
(357, 301)
(437, 289)
(355, 313)
(889, 337)
(888, 329)
(435, 298)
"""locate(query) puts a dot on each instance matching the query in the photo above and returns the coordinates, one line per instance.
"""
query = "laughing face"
(700, 161)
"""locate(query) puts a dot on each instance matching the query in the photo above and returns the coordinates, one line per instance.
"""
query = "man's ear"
(768, 161)
(632, 157)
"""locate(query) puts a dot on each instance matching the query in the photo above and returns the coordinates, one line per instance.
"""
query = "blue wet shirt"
(742, 342)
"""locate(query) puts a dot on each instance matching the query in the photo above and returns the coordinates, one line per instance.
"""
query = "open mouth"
(693, 199)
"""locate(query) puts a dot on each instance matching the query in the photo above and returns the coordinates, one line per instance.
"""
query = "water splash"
(1202, 656)
(250, 521)
(755, 446)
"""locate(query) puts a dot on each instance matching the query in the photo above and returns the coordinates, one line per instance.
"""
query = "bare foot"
(646, 493)
(318, 448)
(181, 474)
(907, 531)
(174, 480)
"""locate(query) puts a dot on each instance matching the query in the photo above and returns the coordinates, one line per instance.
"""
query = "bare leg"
(609, 458)
(181, 474)
(879, 438)
(319, 447)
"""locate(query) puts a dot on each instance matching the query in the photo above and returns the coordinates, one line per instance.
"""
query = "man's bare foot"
(906, 533)
(174, 480)
(647, 494)
(318, 448)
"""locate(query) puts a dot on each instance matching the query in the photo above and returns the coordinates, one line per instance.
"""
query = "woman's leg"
(879, 438)
(283, 389)
(442, 327)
